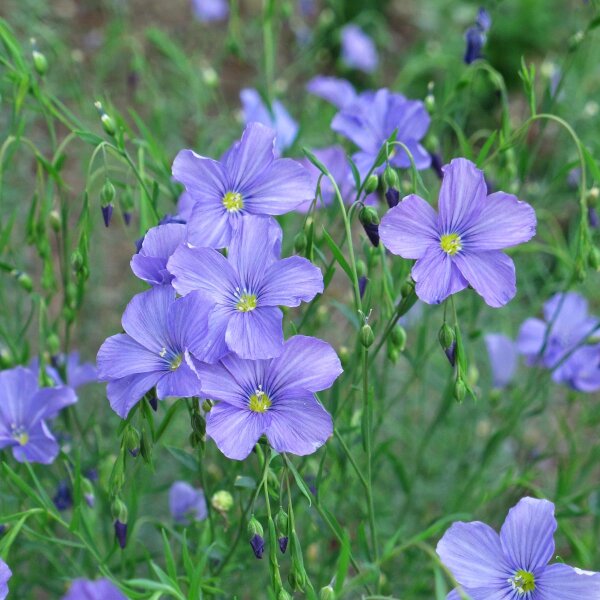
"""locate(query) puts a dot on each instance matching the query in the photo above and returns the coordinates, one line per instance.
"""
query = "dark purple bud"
(283, 543)
(436, 164)
(2, 529)
(121, 533)
(138, 244)
(127, 217)
(475, 39)
(107, 212)
(135, 451)
(92, 474)
(63, 498)
(372, 232)
(258, 545)
(484, 20)
(152, 399)
(362, 285)
(451, 353)
(392, 197)
(90, 499)
(593, 219)
(574, 177)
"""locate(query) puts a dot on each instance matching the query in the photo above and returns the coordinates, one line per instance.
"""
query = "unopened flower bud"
(460, 390)
(88, 492)
(398, 337)
(257, 543)
(132, 441)
(327, 593)
(40, 62)
(393, 354)
(207, 405)
(446, 336)
(593, 195)
(119, 510)
(121, 533)
(107, 121)
(366, 336)
(407, 288)
(222, 501)
(368, 216)
(594, 258)
(371, 183)
(53, 344)
(76, 261)
(23, 280)
(392, 197)
(450, 353)
(593, 219)
(362, 285)
(210, 77)
(344, 355)
(300, 242)
(361, 267)
(55, 220)
(390, 177)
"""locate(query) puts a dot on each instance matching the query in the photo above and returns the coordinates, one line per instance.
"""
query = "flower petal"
(123, 394)
(146, 317)
(202, 269)
(255, 334)
(18, 388)
(255, 246)
(527, 535)
(503, 221)
(204, 179)
(210, 225)
(183, 382)
(473, 553)
(120, 356)
(421, 157)
(437, 276)
(502, 352)
(338, 92)
(410, 228)
(299, 423)
(305, 363)
(247, 160)
(235, 430)
(53, 400)
(531, 337)
(567, 583)
(283, 186)
(188, 323)
(462, 195)
(492, 275)
(41, 446)
(290, 281)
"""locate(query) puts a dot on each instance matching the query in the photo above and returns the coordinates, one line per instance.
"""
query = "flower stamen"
(259, 401)
(246, 302)
(233, 201)
(523, 582)
(451, 243)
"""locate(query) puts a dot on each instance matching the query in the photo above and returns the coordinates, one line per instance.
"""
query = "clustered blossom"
(222, 338)
(25, 410)
(358, 49)
(462, 244)
(513, 564)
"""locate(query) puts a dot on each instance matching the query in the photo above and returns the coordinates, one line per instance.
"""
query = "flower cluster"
(211, 325)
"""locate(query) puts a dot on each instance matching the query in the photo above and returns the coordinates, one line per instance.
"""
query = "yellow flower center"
(246, 303)
(21, 436)
(450, 243)
(175, 362)
(233, 201)
(523, 582)
(259, 402)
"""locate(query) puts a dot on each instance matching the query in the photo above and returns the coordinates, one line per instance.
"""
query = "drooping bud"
(257, 543)
(152, 399)
(446, 336)
(88, 492)
(460, 390)
(344, 355)
(362, 285)
(361, 267)
(371, 183)
(63, 498)
(393, 354)
(76, 261)
(121, 533)
(392, 197)
(327, 593)
(436, 164)
(366, 335)
(23, 280)
(430, 98)
(450, 353)
(107, 121)
(281, 524)
(593, 219)
(398, 337)
(300, 242)
(594, 258)
(53, 344)
(222, 501)
(368, 216)
(390, 177)
(131, 439)
(55, 220)
(40, 62)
